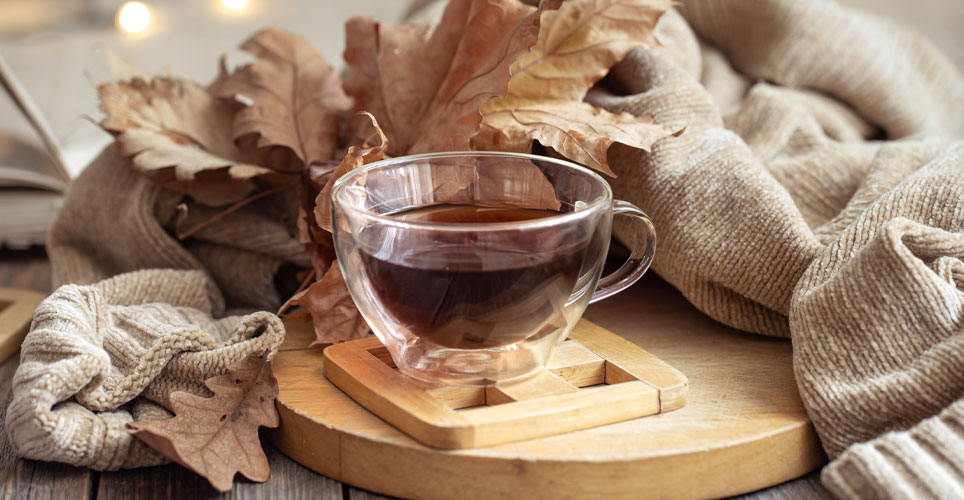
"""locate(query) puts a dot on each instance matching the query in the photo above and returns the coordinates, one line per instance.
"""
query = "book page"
(25, 164)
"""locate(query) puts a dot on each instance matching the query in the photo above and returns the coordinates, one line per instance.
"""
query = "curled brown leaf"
(354, 158)
(333, 313)
(293, 97)
(425, 84)
(577, 46)
(178, 133)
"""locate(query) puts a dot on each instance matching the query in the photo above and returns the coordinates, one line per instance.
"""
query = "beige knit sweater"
(817, 193)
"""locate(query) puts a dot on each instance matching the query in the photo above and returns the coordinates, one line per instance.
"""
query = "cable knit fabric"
(99, 356)
(817, 193)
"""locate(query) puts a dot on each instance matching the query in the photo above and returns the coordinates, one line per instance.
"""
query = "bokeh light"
(133, 17)
(234, 4)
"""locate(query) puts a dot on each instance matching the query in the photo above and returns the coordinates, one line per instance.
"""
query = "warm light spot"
(133, 17)
(234, 4)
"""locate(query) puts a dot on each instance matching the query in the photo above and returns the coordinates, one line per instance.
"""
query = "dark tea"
(461, 291)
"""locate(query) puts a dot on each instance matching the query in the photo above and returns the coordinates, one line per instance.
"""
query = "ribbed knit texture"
(115, 220)
(923, 462)
(777, 214)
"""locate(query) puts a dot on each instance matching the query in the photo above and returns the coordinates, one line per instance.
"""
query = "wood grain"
(359, 494)
(288, 480)
(743, 427)
(545, 383)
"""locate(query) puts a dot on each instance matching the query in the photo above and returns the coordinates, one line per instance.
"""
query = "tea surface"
(459, 292)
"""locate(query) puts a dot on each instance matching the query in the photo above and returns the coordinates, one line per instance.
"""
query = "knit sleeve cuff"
(925, 461)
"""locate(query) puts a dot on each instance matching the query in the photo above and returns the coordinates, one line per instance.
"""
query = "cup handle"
(642, 253)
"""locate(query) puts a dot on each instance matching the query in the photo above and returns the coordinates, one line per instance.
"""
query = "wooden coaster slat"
(378, 387)
(545, 383)
(550, 415)
(624, 363)
(549, 403)
(577, 365)
(457, 397)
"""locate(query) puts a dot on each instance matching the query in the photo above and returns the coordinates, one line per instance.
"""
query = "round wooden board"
(743, 427)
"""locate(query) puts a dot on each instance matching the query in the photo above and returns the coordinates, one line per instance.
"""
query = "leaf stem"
(182, 216)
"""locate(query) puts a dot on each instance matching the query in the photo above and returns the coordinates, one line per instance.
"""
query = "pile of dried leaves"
(492, 75)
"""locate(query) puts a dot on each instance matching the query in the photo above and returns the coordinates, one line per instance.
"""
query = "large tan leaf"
(425, 84)
(218, 436)
(293, 96)
(179, 134)
(577, 46)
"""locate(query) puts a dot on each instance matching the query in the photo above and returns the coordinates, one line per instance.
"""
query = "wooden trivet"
(594, 378)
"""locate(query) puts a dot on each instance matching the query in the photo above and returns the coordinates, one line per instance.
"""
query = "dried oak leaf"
(425, 84)
(217, 437)
(178, 133)
(293, 97)
(577, 46)
(333, 313)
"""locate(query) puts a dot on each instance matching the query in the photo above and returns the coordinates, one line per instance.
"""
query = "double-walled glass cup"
(471, 267)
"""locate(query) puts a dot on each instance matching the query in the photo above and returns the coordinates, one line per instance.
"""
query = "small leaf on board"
(425, 84)
(217, 437)
(293, 95)
(333, 312)
(179, 134)
(577, 46)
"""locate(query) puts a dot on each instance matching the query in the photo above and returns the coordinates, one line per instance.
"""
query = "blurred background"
(55, 46)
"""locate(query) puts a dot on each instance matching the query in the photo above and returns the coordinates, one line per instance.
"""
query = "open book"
(32, 181)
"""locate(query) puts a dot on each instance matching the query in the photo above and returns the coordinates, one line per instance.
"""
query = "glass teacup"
(471, 267)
